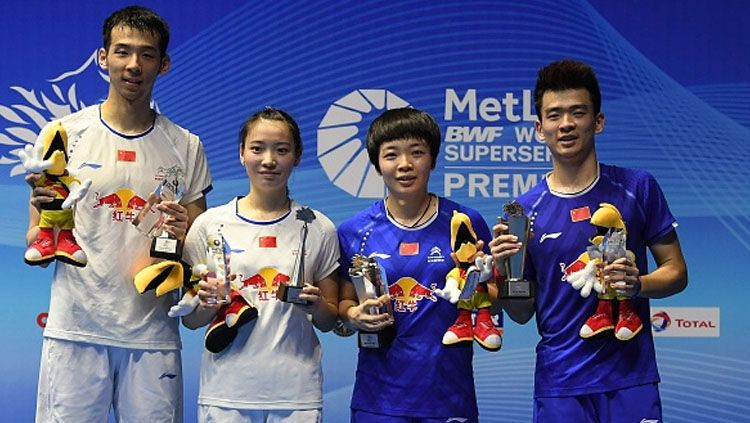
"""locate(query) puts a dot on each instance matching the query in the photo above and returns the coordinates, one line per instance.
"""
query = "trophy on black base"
(514, 285)
(290, 292)
(163, 244)
(343, 330)
(370, 282)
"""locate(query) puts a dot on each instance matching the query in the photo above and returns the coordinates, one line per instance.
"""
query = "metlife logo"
(490, 148)
(342, 149)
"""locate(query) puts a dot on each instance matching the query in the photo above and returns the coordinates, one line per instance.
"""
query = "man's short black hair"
(142, 19)
(563, 75)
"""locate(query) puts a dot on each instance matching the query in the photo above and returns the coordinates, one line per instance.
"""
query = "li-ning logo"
(546, 236)
(660, 321)
(342, 151)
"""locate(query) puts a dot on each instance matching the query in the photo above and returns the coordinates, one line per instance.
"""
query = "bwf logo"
(342, 149)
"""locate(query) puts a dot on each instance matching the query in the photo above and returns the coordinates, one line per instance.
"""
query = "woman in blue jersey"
(413, 378)
(270, 371)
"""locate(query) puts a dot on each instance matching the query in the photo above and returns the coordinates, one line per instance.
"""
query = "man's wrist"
(638, 287)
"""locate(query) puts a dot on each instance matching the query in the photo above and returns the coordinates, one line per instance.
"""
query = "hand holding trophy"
(290, 292)
(370, 282)
(170, 273)
(514, 285)
(150, 221)
(217, 258)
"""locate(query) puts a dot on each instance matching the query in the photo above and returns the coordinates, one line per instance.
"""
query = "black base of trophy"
(166, 248)
(516, 289)
(378, 339)
(343, 330)
(290, 294)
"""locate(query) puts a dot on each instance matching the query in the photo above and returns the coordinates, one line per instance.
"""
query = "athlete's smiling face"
(568, 124)
(405, 165)
(269, 155)
(133, 62)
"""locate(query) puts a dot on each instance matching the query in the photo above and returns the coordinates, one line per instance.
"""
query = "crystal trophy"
(370, 282)
(612, 248)
(217, 258)
(150, 221)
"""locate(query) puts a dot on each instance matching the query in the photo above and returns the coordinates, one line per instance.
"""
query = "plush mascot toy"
(165, 276)
(229, 318)
(466, 285)
(607, 243)
(50, 158)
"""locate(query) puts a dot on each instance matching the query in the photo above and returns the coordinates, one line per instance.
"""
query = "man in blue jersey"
(610, 377)
(414, 378)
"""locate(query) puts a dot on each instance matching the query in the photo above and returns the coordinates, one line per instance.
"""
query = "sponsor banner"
(701, 322)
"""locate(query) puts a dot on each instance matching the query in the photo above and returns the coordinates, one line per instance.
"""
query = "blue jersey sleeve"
(659, 219)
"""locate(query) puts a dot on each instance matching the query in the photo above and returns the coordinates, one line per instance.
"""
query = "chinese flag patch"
(125, 155)
(267, 242)
(579, 214)
(408, 248)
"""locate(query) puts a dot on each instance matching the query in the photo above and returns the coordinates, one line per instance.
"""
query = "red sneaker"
(485, 332)
(239, 311)
(600, 321)
(460, 331)
(68, 250)
(628, 322)
(42, 250)
(223, 328)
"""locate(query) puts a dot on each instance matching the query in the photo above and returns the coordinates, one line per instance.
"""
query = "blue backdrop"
(676, 93)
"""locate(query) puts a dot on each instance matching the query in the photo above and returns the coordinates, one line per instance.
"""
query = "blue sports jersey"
(567, 364)
(416, 375)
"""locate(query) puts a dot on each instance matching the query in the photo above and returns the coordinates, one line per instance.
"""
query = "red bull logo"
(125, 204)
(266, 281)
(407, 293)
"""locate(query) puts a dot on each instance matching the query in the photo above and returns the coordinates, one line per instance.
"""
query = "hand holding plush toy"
(465, 285)
(608, 244)
(50, 158)
(235, 308)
